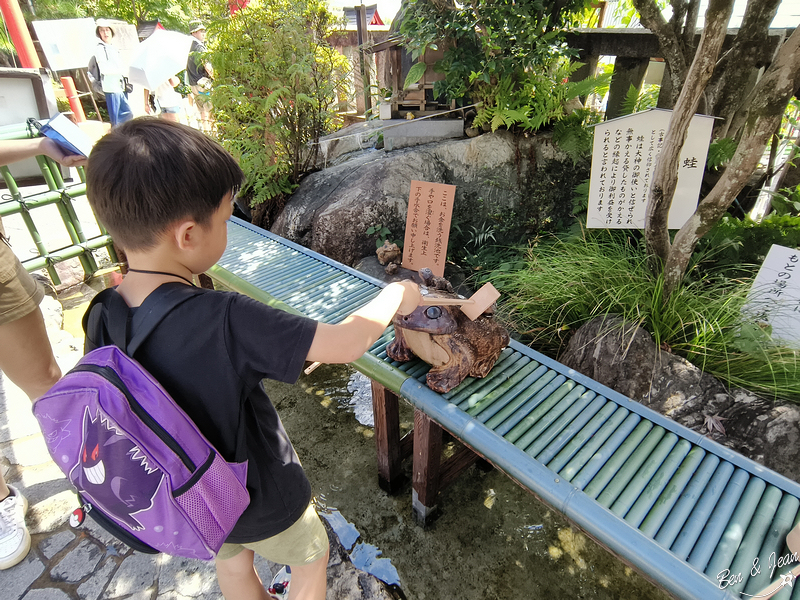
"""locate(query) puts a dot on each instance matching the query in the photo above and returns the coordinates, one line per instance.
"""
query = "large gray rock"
(626, 359)
(333, 208)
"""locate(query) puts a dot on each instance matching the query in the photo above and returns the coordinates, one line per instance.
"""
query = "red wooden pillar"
(74, 100)
(20, 36)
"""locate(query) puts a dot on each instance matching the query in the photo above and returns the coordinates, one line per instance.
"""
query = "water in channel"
(491, 540)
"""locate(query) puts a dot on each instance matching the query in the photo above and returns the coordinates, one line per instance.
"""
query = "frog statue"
(445, 338)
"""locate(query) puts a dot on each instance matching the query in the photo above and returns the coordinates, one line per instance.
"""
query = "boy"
(165, 192)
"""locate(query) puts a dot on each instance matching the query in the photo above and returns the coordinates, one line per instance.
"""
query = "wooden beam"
(407, 445)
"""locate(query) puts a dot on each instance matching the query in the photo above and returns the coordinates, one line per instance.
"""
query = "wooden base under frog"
(449, 341)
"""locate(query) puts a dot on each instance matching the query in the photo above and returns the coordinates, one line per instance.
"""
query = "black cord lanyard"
(190, 282)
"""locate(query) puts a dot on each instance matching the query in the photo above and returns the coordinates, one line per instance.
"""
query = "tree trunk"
(665, 174)
(767, 103)
(735, 68)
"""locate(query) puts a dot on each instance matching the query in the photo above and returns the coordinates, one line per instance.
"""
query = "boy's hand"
(411, 297)
(49, 148)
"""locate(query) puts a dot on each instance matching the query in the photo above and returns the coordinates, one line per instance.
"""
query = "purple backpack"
(141, 467)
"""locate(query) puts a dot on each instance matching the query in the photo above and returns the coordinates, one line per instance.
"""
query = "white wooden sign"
(775, 295)
(623, 160)
(67, 43)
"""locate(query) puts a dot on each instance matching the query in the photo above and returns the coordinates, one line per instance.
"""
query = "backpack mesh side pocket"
(214, 502)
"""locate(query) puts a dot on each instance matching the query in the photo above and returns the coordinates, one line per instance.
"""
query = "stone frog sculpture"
(445, 338)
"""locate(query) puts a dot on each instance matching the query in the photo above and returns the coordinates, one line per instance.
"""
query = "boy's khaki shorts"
(303, 543)
(19, 292)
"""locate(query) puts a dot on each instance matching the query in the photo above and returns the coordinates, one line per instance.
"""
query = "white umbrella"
(159, 57)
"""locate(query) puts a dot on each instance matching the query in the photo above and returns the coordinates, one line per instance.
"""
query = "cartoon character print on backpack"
(114, 472)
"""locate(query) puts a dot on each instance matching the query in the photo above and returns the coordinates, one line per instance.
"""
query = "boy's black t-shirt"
(211, 353)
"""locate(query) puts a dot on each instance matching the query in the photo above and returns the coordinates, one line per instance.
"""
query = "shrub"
(275, 90)
(510, 57)
(735, 247)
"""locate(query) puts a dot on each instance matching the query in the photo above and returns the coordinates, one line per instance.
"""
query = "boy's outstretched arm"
(348, 340)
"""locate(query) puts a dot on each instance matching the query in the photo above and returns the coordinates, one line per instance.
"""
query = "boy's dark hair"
(149, 173)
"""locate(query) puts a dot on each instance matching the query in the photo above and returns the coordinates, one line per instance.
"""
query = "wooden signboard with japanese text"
(430, 210)
(623, 161)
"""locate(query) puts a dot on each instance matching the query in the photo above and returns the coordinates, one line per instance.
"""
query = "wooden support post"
(627, 72)
(386, 411)
(453, 466)
(427, 459)
(361, 32)
(205, 281)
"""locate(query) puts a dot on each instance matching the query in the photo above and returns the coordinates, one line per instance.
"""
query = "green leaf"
(497, 121)
(720, 151)
(415, 73)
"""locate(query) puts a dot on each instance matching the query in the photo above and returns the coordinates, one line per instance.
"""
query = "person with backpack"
(26, 356)
(107, 75)
(165, 193)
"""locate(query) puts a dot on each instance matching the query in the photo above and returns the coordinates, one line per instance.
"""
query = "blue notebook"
(67, 135)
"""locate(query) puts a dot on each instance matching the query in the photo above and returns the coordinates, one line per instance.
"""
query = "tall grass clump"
(566, 283)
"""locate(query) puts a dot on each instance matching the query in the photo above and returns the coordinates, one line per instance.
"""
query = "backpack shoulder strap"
(156, 306)
(128, 333)
(94, 318)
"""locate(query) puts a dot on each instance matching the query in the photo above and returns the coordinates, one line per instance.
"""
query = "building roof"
(373, 18)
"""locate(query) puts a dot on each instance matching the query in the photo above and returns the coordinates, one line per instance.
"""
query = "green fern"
(580, 200)
(720, 152)
(573, 138)
(591, 85)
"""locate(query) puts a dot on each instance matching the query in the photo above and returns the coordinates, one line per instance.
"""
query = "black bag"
(94, 77)
(128, 85)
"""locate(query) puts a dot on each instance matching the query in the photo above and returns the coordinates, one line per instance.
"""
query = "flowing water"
(491, 540)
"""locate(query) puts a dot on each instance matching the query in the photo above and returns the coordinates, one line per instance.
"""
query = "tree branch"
(668, 41)
(735, 69)
(665, 174)
(767, 103)
(692, 13)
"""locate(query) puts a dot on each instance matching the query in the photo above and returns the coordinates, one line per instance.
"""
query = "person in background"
(199, 74)
(168, 101)
(25, 353)
(106, 72)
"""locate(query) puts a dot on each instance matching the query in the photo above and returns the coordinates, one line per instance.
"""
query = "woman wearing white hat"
(108, 74)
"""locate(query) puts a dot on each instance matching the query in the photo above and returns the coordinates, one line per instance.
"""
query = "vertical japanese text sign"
(623, 160)
(775, 295)
(430, 209)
